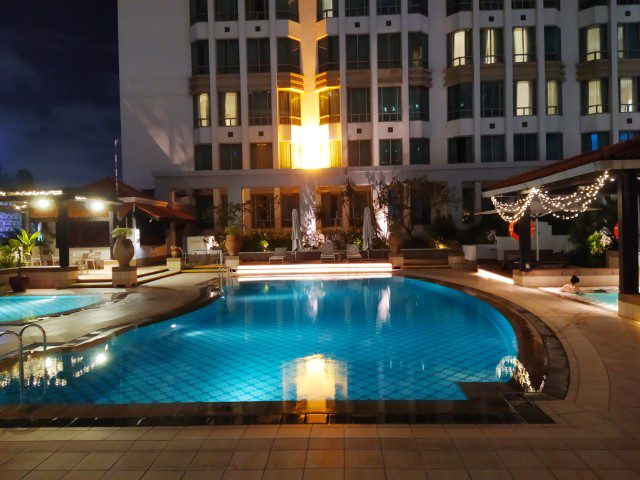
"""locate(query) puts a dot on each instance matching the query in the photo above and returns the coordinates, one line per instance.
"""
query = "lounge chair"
(278, 254)
(328, 252)
(353, 252)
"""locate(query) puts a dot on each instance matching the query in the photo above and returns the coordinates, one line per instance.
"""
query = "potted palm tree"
(123, 250)
(22, 246)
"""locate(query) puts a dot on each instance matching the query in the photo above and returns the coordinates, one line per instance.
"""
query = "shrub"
(121, 233)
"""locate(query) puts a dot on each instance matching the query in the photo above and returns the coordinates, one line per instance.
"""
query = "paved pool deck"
(596, 433)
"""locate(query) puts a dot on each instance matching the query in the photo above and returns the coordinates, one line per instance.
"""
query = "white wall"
(156, 109)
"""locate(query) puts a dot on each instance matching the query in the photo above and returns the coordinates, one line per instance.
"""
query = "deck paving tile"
(283, 474)
(251, 459)
(286, 459)
(363, 459)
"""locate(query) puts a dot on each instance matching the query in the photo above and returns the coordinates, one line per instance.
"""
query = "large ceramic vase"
(123, 251)
(233, 244)
(176, 252)
(19, 283)
(395, 242)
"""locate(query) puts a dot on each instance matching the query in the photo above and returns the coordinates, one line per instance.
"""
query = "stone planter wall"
(557, 277)
(43, 277)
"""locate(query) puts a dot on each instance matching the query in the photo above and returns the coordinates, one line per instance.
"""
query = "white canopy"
(367, 230)
(296, 236)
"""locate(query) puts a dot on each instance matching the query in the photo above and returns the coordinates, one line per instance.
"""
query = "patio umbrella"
(367, 231)
(296, 237)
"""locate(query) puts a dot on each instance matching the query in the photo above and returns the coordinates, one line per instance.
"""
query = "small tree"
(23, 244)
(393, 199)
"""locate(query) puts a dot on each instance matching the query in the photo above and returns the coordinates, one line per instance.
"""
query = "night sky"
(59, 106)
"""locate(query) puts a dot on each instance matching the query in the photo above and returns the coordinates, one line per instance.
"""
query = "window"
(356, 8)
(288, 203)
(419, 6)
(459, 50)
(583, 4)
(391, 152)
(491, 99)
(460, 101)
(419, 151)
(525, 98)
(593, 43)
(455, 6)
(460, 150)
(418, 50)
(629, 40)
(594, 141)
(225, 10)
(262, 211)
(388, 7)
(260, 107)
(552, 4)
(552, 44)
(200, 57)
(261, 156)
(359, 152)
(628, 134)
(358, 105)
(525, 147)
(327, 9)
(287, 152)
(491, 5)
(202, 157)
(524, 44)
(389, 50)
(629, 94)
(331, 207)
(287, 10)
(228, 56)
(258, 55)
(418, 103)
(358, 203)
(329, 106)
(288, 55)
(289, 108)
(522, 4)
(198, 11)
(554, 146)
(230, 156)
(229, 109)
(389, 106)
(594, 96)
(328, 54)
(491, 46)
(554, 97)
(335, 153)
(202, 110)
(357, 52)
(492, 148)
(256, 9)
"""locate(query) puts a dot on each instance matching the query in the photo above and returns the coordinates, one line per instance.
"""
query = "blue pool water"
(609, 299)
(392, 338)
(25, 307)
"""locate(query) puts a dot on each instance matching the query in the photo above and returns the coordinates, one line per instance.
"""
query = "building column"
(628, 231)
(524, 242)
(307, 205)
(62, 234)
(541, 84)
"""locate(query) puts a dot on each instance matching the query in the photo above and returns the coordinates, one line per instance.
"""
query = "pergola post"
(628, 231)
(112, 225)
(524, 241)
(62, 234)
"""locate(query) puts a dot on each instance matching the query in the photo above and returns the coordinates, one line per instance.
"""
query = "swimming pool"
(28, 307)
(608, 299)
(393, 338)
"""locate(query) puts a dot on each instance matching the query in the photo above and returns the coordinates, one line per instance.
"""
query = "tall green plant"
(23, 244)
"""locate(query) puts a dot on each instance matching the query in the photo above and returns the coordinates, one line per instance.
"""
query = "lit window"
(629, 90)
(229, 106)
(525, 98)
(329, 103)
(202, 110)
(524, 44)
(491, 45)
(459, 48)
(554, 92)
(595, 95)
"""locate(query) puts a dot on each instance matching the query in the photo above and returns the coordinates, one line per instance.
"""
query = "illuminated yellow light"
(494, 276)
(267, 278)
(306, 269)
(101, 359)
(313, 147)
(96, 206)
(43, 203)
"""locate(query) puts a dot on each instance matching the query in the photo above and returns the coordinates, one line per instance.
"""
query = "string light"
(565, 207)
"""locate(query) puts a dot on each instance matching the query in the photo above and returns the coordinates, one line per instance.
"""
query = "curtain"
(595, 96)
(203, 110)
(230, 109)
(593, 43)
(524, 98)
(552, 97)
(459, 48)
(627, 100)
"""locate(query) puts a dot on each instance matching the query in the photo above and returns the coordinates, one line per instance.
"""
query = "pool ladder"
(19, 336)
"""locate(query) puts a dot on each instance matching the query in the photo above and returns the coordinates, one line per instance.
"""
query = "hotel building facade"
(278, 102)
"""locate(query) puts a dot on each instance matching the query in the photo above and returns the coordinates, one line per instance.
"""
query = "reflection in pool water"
(393, 338)
(14, 308)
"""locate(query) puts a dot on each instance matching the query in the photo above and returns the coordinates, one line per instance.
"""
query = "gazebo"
(570, 186)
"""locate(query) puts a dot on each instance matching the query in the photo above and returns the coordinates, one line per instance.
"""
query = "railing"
(290, 120)
(287, 15)
(390, 117)
(629, 107)
(328, 67)
(224, 69)
(592, 56)
(460, 61)
(491, 59)
(553, 110)
(258, 15)
(258, 120)
(383, 63)
(331, 118)
(492, 112)
(357, 64)
(524, 111)
(358, 117)
(523, 4)
(491, 5)
(388, 9)
(628, 53)
(357, 11)
(595, 109)
(226, 16)
(524, 57)
(259, 68)
(418, 63)
(327, 13)
(229, 122)
(460, 113)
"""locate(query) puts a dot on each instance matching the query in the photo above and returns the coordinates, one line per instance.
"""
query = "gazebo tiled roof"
(107, 186)
(629, 150)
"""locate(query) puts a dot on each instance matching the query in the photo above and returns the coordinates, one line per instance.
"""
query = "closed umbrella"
(296, 237)
(367, 231)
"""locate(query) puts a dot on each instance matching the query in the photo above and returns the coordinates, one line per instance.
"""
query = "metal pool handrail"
(20, 357)
(25, 326)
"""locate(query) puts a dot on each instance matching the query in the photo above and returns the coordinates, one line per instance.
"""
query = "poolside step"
(155, 276)
(144, 278)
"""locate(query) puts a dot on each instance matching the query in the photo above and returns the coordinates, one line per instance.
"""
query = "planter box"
(557, 277)
(43, 277)
(124, 277)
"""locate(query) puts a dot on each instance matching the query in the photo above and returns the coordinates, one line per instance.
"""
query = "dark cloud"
(59, 89)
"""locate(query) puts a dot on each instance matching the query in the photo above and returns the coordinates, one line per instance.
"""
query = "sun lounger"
(278, 254)
(328, 252)
(353, 252)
